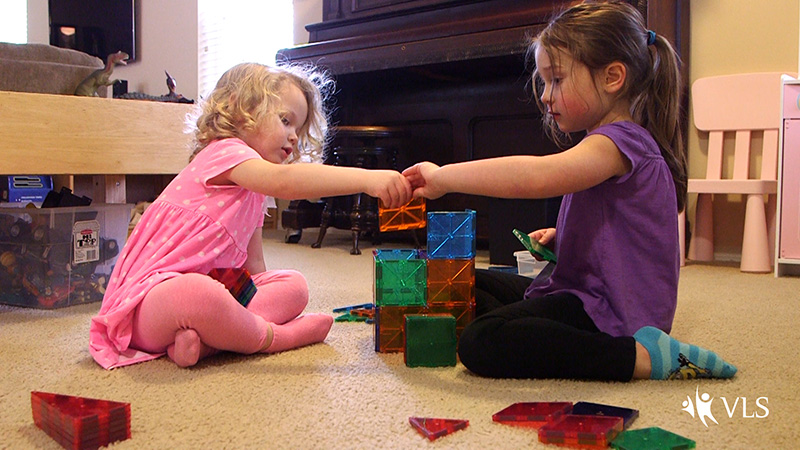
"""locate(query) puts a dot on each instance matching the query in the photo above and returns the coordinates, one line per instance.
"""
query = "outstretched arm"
(307, 180)
(594, 160)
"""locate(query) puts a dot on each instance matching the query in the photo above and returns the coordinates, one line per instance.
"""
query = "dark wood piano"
(453, 75)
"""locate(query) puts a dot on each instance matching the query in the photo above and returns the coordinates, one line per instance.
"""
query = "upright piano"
(454, 74)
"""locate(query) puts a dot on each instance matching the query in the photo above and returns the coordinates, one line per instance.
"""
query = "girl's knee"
(196, 292)
(475, 350)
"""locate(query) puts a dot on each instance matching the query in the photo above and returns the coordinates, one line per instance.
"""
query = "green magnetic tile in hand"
(653, 438)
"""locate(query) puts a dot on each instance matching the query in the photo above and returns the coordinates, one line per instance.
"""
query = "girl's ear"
(615, 74)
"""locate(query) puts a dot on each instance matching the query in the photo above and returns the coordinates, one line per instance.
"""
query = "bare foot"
(186, 349)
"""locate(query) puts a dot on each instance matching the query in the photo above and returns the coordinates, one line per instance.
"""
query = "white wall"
(166, 39)
(305, 12)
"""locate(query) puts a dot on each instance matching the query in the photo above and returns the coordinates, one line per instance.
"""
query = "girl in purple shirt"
(607, 308)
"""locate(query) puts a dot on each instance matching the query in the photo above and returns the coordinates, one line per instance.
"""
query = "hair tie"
(651, 37)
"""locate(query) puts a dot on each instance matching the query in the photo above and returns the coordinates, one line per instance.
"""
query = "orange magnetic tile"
(410, 216)
(451, 281)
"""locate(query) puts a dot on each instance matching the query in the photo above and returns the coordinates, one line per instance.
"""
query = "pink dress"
(191, 227)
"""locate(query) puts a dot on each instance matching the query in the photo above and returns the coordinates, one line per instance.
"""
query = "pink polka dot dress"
(191, 227)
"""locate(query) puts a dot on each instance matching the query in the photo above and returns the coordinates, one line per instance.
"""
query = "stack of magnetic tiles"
(424, 299)
(79, 422)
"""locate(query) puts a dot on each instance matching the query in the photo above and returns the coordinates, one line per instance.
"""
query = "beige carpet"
(341, 394)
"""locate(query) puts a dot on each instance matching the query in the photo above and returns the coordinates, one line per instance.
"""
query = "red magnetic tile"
(78, 422)
(581, 431)
(532, 414)
(433, 428)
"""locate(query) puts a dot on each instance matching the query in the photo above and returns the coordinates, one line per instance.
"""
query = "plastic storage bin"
(527, 265)
(56, 257)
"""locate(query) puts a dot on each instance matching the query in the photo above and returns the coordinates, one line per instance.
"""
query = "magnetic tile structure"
(596, 409)
(430, 340)
(410, 216)
(581, 431)
(79, 422)
(653, 438)
(408, 281)
(433, 428)
(532, 414)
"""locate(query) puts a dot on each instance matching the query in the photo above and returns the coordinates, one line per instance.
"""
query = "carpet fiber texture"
(342, 394)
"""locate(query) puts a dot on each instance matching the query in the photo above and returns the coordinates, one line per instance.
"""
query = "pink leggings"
(198, 302)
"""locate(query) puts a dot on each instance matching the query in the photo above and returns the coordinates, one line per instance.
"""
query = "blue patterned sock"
(674, 360)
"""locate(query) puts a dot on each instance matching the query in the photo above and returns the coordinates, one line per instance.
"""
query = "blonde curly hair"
(247, 94)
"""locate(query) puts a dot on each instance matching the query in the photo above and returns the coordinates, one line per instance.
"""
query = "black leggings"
(546, 337)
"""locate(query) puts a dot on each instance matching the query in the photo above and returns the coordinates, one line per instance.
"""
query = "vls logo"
(703, 404)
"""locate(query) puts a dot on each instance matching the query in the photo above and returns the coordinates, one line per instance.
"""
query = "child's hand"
(390, 186)
(544, 236)
(420, 175)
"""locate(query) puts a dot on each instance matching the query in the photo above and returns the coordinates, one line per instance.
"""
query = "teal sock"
(674, 360)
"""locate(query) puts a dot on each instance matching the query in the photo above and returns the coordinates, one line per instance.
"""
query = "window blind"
(235, 31)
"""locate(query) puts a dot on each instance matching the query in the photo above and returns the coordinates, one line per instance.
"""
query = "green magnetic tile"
(653, 438)
(430, 340)
(400, 278)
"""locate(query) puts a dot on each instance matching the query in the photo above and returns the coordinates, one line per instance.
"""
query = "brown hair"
(248, 93)
(599, 33)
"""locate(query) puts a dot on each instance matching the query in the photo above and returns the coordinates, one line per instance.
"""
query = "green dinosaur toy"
(101, 77)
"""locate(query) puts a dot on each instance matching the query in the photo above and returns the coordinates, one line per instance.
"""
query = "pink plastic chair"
(737, 105)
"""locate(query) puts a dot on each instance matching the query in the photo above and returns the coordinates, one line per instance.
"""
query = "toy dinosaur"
(171, 96)
(101, 77)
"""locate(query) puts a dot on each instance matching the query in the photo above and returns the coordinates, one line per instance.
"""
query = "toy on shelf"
(101, 77)
(79, 422)
(653, 438)
(433, 428)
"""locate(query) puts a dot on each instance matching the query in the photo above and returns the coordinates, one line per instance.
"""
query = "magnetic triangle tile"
(597, 409)
(80, 422)
(653, 438)
(433, 428)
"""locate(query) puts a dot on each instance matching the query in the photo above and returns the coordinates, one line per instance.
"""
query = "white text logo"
(702, 405)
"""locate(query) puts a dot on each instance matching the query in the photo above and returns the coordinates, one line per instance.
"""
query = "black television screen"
(96, 27)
